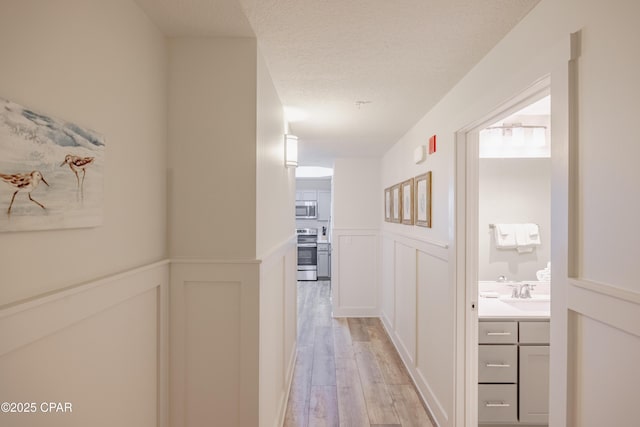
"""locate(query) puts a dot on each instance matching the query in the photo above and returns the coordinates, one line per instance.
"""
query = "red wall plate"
(432, 144)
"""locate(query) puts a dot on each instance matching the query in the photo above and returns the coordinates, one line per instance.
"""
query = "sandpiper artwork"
(51, 171)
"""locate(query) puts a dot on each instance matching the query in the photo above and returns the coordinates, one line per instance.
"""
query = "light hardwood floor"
(347, 372)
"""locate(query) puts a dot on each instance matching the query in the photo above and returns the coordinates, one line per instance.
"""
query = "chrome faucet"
(525, 291)
(521, 290)
(515, 293)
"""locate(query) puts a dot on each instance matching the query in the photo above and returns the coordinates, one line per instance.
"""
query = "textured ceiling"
(326, 55)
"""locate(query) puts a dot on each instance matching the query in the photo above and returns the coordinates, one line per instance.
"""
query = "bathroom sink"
(534, 304)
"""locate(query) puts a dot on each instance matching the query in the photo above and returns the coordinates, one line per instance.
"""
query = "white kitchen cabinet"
(534, 384)
(306, 195)
(324, 205)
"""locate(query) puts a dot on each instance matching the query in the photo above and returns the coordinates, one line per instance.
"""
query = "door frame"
(466, 244)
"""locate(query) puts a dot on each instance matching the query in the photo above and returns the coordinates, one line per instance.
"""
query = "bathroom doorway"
(503, 207)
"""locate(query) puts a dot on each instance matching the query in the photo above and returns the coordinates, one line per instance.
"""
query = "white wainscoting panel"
(405, 298)
(101, 346)
(388, 291)
(604, 378)
(355, 272)
(436, 335)
(423, 323)
(606, 373)
(214, 342)
(277, 331)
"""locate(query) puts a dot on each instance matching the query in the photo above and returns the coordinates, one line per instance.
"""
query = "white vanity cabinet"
(513, 372)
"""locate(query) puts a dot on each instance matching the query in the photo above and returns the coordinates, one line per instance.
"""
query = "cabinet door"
(534, 384)
(324, 205)
(309, 195)
(323, 264)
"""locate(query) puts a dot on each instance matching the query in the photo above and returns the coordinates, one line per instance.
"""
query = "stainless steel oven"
(307, 253)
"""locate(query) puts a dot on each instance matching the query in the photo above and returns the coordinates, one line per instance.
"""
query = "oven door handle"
(307, 245)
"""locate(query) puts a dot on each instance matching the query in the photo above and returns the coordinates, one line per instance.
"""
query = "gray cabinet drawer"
(534, 332)
(497, 403)
(498, 332)
(498, 364)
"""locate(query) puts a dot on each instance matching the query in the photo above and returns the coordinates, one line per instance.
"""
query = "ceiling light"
(514, 141)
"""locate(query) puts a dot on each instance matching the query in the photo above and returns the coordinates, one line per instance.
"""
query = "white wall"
(356, 202)
(101, 65)
(231, 237)
(513, 191)
(276, 249)
(212, 147)
(357, 212)
(275, 184)
(604, 286)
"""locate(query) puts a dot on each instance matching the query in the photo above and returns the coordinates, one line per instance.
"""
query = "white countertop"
(537, 307)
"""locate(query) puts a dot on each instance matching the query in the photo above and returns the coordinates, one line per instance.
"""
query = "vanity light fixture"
(290, 150)
(519, 134)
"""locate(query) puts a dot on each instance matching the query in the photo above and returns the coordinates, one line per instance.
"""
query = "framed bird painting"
(51, 171)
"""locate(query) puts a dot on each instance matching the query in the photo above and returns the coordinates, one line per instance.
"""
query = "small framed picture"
(387, 204)
(407, 201)
(423, 200)
(396, 204)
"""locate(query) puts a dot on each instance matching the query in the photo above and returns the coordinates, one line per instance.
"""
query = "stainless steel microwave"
(307, 209)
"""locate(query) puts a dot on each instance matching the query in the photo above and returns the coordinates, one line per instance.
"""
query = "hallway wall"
(232, 238)
(595, 293)
(276, 249)
(76, 66)
(357, 210)
(72, 327)
(212, 147)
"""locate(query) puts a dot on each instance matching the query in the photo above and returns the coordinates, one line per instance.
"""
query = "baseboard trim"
(288, 383)
(356, 312)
